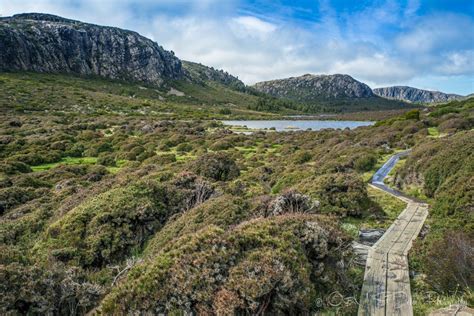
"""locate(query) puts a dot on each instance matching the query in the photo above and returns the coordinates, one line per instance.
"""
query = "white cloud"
(252, 25)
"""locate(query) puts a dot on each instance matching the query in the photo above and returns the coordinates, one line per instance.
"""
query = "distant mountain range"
(51, 44)
(414, 95)
(338, 91)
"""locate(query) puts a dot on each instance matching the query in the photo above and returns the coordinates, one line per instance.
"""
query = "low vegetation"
(129, 212)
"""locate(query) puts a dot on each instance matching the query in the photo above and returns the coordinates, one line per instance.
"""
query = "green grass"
(433, 131)
(180, 156)
(119, 165)
(78, 161)
(66, 161)
(391, 206)
(248, 152)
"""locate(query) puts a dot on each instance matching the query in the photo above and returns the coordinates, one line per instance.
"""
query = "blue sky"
(423, 43)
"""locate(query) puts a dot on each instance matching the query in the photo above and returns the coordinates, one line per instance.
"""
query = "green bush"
(106, 159)
(412, 115)
(269, 266)
(108, 227)
(449, 262)
(184, 147)
(302, 157)
(340, 193)
(218, 166)
(365, 162)
(13, 167)
(33, 290)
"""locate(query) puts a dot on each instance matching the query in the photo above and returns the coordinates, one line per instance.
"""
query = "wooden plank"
(398, 287)
(386, 288)
(372, 301)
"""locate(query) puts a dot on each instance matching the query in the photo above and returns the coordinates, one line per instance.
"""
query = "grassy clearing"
(119, 165)
(434, 132)
(78, 161)
(66, 161)
(391, 206)
(180, 156)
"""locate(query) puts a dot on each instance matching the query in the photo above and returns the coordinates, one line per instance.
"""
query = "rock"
(15, 123)
(147, 128)
(415, 95)
(370, 236)
(361, 252)
(175, 92)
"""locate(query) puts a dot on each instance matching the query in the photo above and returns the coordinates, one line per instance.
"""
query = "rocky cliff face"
(414, 95)
(48, 43)
(308, 88)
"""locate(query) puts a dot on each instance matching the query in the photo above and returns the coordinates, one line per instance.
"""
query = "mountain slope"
(414, 95)
(331, 92)
(201, 74)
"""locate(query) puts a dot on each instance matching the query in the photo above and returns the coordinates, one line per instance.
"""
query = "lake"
(293, 125)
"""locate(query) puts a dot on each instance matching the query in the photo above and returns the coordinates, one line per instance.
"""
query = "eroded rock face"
(309, 87)
(48, 43)
(414, 95)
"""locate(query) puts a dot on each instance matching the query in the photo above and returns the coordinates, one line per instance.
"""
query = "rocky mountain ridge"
(48, 43)
(308, 88)
(414, 95)
(51, 44)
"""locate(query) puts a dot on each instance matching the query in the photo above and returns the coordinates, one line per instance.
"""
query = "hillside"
(414, 95)
(202, 74)
(26, 92)
(327, 92)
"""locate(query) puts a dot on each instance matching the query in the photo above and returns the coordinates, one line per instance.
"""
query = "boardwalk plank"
(386, 288)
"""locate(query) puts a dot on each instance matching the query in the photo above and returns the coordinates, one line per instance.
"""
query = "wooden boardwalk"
(386, 288)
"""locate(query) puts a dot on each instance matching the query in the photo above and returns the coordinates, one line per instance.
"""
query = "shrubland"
(122, 213)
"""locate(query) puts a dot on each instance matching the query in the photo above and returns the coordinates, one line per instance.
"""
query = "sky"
(427, 44)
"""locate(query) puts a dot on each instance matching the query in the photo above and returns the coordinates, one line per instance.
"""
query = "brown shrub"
(449, 262)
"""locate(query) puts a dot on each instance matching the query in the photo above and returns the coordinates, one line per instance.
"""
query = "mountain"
(309, 87)
(48, 43)
(52, 44)
(414, 95)
(332, 92)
